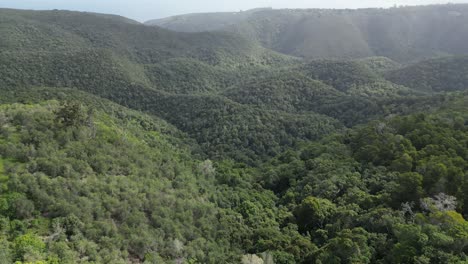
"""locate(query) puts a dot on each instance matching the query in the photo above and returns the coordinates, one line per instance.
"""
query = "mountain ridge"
(404, 34)
(129, 144)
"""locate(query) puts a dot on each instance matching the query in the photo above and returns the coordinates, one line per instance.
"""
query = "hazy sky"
(148, 9)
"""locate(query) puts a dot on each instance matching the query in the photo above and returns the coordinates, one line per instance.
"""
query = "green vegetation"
(102, 188)
(415, 33)
(106, 184)
(388, 192)
(380, 64)
(123, 143)
(435, 75)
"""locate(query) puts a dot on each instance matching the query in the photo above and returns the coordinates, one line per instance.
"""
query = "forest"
(127, 143)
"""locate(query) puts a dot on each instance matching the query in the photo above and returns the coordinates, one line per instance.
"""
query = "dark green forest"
(403, 33)
(127, 143)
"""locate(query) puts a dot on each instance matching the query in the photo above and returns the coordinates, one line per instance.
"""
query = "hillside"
(200, 81)
(65, 31)
(87, 181)
(436, 75)
(138, 66)
(402, 34)
(79, 178)
(126, 143)
(343, 189)
(96, 182)
(203, 83)
(204, 21)
(349, 91)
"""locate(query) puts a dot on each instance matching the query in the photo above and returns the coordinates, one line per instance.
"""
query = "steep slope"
(87, 181)
(109, 184)
(144, 68)
(224, 128)
(437, 75)
(191, 76)
(403, 34)
(287, 90)
(91, 69)
(273, 101)
(348, 91)
(203, 22)
(266, 110)
(84, 179)
(354, 78)
(64, 31)
(339, 74)
(394, 181)
(62, 47)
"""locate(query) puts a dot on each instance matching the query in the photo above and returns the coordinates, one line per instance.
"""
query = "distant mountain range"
(403, 34)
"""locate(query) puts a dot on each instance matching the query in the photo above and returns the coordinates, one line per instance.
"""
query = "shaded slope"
(60, 46)
(90, 69)
(340, 74)
(145, 68)
(203, 22)
(224, 128)
(287, 90)
(437, 75)
(354, 78)
(402, 34)
(183, 78)
(68, 31)
(380, 64)
(349, 91)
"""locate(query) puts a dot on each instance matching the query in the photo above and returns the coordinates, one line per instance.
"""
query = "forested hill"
(126, 143)
(208, 84)
(434, 75)
(402, 34)
(65, 31)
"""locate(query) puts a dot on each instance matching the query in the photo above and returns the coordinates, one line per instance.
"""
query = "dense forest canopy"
(404, 34)
(127, 143)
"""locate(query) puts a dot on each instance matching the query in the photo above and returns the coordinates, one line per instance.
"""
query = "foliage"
(403, 34)
(122, 143)
(434, 75)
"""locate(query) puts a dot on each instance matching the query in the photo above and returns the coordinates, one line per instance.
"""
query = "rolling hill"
(127, 143)
(403, 34)
(157, 71)
(203, 83)
(434, 75)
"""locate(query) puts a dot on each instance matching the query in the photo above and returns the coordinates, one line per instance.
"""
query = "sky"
(143, 10)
